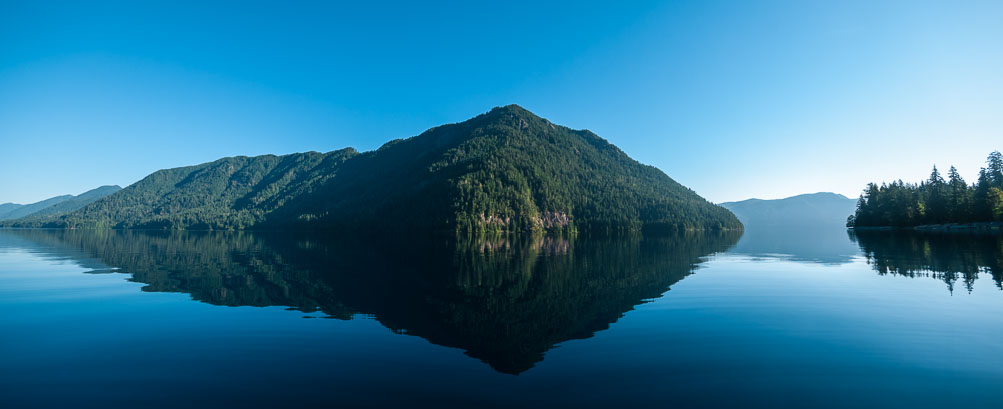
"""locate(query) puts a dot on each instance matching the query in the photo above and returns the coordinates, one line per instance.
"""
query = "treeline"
(935, 200)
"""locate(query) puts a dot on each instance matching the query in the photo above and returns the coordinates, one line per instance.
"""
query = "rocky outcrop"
(546, 220)
(554, 219)
(492, 220)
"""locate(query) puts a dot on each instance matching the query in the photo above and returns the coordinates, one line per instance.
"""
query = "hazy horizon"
(736, 101)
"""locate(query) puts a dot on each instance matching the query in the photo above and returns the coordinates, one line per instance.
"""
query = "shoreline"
(981, 227)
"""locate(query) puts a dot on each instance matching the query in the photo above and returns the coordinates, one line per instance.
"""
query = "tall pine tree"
(959, 197)
(935, 198)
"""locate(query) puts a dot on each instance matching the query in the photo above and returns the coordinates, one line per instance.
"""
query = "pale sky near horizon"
(734, 99)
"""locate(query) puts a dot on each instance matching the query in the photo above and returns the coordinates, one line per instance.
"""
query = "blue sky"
(735, 99)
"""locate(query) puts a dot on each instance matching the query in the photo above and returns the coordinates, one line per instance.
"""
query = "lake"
(772, 318)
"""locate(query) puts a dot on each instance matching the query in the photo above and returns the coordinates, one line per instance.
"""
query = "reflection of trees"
(504, 301)
(946, 256)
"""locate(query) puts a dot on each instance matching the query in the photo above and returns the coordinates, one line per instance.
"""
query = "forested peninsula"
(507, 170)
(935, 201)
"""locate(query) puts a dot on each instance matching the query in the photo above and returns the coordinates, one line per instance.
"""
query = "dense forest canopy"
(934, 201)
(503, 171)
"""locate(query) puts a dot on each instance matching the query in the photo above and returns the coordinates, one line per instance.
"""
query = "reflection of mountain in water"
(808, 228)
(505, 302)
(825, 244)
(946, 256)
(54, 250)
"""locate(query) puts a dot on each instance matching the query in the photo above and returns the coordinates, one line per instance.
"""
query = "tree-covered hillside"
(228, 194)
(506, 170)
(935, 200)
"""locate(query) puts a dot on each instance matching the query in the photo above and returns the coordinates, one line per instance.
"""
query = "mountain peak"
(821, 194)
(512, 114)
(511, 109)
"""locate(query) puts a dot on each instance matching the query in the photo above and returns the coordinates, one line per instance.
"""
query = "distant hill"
(505, 170)
(6, 208)
(227, 194)
(808, 228)
(55, 206)
(28, 209)
(808, 209)
(76, 202)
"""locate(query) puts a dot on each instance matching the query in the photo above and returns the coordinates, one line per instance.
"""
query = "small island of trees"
(935, 200)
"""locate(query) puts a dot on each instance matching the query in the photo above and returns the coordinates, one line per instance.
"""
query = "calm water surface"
(775, 318)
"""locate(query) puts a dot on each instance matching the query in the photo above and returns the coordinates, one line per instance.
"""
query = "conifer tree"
(959, 197)
(936, 198)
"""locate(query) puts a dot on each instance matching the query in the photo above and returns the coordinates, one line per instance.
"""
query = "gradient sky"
(734, 99)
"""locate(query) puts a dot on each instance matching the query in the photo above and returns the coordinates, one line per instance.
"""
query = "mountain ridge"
(799, 196)
(77, 202)
(809, 209)
(6, 208)
(504, 170)
(55, 206)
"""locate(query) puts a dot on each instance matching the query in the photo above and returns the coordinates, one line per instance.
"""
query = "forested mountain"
(821, 208)
(506, 170)
(230, 193)
(935, 200)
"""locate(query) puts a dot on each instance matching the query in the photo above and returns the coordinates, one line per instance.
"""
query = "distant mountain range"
(809, 209)
(809, 227)
(55, 206)
(505, 170)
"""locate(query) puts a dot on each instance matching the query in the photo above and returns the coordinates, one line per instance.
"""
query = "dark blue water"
(772, 319)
